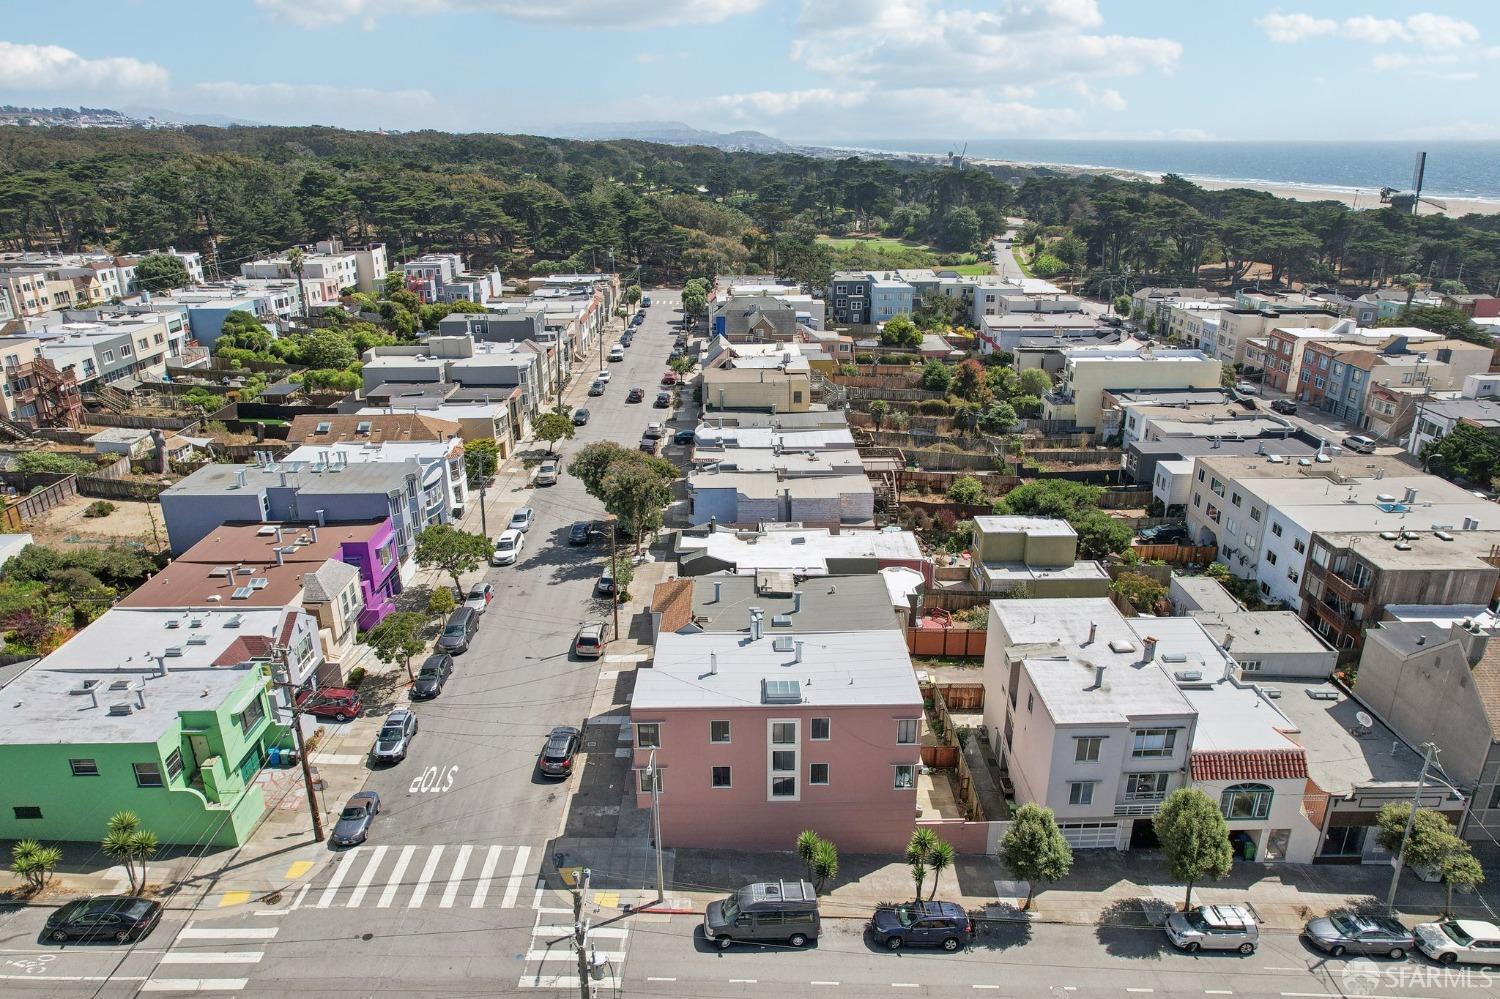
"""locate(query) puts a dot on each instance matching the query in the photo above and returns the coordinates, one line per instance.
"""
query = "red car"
(670, 378)
(339, 703)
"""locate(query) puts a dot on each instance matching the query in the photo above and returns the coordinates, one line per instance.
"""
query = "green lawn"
(874, 242)
(969, 269)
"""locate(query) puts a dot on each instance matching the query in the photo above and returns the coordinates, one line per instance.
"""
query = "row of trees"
(126, 841)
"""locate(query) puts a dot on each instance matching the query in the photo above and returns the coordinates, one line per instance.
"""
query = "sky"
(832, 71)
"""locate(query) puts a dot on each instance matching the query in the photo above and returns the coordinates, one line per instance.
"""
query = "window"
(1495, 797)
(1154, 743)
(1197, 499)
(1250, 665)
(906, 731)
(1246, 801)
(27, 811)
(1275, 528)
(821, 728)
(1234, 498)
(254, 712)
(1200, 475)
(109, 356)
(817, 773)
(718, 731)
(1271, 557)
(1298, 546)
(784, 733)
(783, 787)
(648, 735)
(147, 775)
(1086, 748)
(1081, 792)
(84, 768)
(783, 759)
(1292, 575)
(1030, 700)
(720, 777)
(645, 779)
(905, 776)
(126, 350)
(1145, 787)
(1255, 514)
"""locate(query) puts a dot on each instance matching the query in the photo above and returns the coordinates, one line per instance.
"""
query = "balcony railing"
(1339, 585)
(1139, 808)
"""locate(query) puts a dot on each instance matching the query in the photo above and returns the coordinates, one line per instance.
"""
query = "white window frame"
(812, 730)
(720, 787)
(728, 732)
(1081, 792)
(1082, 742)
(795, 748)
(901, 729)
(640, 743)
(896, 769)
(827, 774)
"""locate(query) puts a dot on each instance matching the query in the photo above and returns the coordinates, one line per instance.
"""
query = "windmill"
(1404, 202)
(956, 161)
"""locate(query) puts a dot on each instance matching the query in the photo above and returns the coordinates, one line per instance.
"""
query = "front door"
(198, 745)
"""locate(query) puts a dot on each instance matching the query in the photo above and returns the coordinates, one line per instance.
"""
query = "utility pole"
(581, 935)
(661, 889)
(1429, 755)
(285, 683)
(614, 540)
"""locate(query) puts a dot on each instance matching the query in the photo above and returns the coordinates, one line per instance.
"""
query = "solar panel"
(781, 692)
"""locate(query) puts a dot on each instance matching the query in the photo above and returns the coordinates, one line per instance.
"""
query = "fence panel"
(1177, 554)
(961, 643)
(57, 489)
(962, 696)
(122, 489)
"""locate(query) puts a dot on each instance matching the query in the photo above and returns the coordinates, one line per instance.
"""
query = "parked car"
(1285, 407)
(1247, 388)
(432, 677)
(605, 585)
(546, 473)
(669, 378)
(557, 755)
(605, 376)
(121, 918)
(394, 738)
(1360, 444)
(1165, 534)
(770, 911)
(353, 826)
(1355, 933)
(480, 595)
(1214, 927)
(338, 703)
(922, 924)
(597, 388)
(684, 436)
(638, 319)
(628, 337)
(459, 629)
(663, 400)
(507, 548)
(580, 417)
(635, 395)
(651, 445)
(655, 430)
(1459, 941)
(521, 519)
(590, 641)
(581, 533)
(645, 301)
(617, 353)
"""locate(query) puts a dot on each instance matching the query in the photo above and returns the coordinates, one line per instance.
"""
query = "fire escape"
(52, 395)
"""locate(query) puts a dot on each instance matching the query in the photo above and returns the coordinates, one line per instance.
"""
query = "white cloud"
(646, 58)
(590, 13)
(1434, 32)
(1288, 28)
(50, 68)
(312, 103)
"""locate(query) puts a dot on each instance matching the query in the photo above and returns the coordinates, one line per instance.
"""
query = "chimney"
(718, 588)
(321, 522)
(1098, 676)
(313, 530)
(796, 601)
(1411, 495)
(1093, 632)
(280, 558)
(713, 664)
(239, 478)
(1148, 649)
(799, 654)
(755, 624)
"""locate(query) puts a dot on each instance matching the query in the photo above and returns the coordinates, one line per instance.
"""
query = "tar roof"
(1041, 527)
(1338, 759)
(836, 669)
(827, 604)
(1252, 633)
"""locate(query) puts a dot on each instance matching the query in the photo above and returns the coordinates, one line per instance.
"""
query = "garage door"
(1091, 835)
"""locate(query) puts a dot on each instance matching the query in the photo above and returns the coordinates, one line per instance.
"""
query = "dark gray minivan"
(462, 624)
(766, 912)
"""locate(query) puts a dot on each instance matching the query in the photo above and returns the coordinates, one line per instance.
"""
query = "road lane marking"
(648, 979)
(194, 984)
(566, 982)
(517, 875)
(346, 863)
(297, 902)
(822, 983)
(1139, 990)
(240, 933)
(1217, 992)
(425, 877)
(994, 987)
(905, 985)
(73, 978)
(456, 877)
(486, 872)
(743, 981)
(367, 876)
(395, 883)
(567, 954)
(557, 932)
(212, 957)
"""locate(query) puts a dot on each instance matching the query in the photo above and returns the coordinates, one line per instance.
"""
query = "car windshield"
(352, 812)
(454, 628)
(1349, 925)
(390, 733)
(1456, 933)
(476, 594)
(428, 673)
(731, 908)
(505, 544)
(1195, 920)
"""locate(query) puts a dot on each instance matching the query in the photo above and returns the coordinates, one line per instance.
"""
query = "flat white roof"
(804, 550)
(1042, 527)
(1233, 717)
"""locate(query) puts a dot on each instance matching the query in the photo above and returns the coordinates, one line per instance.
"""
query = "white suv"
(1214, 927)
(1459, 940)
(507, 548)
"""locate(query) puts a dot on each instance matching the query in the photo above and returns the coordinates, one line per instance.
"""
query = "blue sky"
(804, 70)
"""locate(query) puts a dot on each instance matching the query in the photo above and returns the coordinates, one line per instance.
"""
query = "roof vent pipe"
(321, 520)
(1148, 649)
(94, 696)
(799, 654)
(1098, 676)
(796, 601)
(280, 558)
(140, 698)
(313, 531)
(1093, 631)
(239, 477)
(755, 624)
(713, 664)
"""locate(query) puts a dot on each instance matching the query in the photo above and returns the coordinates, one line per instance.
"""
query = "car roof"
(524, 511)
(563, 730)
(591, 627)
(509, 532)
(335, 692)
(1477, 928)
(363, 796)
(400, 714)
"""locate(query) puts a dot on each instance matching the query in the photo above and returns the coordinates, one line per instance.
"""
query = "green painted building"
(168, 714)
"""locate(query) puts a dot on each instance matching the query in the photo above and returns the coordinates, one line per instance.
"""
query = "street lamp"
(655, 776)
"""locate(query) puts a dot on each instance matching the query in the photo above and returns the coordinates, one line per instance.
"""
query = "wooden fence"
(965, 643)
(55, 489)
(1177, 554)
(120, 489)
(143, 422)
(966, 697)
(955, 600)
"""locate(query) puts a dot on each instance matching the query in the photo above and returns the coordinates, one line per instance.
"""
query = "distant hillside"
(188, 117)
(676, 133)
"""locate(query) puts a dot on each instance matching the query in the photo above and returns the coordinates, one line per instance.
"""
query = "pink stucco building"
(759, 736)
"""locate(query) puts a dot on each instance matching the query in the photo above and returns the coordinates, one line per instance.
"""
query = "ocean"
(1454, 169)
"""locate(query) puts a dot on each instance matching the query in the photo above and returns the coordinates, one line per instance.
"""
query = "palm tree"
(34, 862)
(918, 853)
(825, 864)
(807, 849)
(941, 858)
(126, 842)
(296, 260)
(878, 409)
(1409, 281)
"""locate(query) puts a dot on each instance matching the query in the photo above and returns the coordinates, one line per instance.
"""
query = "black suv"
(1285, 407)
(922, 924)
(581, 533)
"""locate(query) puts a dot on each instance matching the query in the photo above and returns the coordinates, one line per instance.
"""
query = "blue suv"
(922, 924)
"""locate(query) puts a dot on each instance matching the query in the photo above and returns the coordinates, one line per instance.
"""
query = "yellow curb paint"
(234, 898)
(298, 868)
(607, 899)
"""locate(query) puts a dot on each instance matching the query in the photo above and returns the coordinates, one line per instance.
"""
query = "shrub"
(935, 407)
(966, 489)
(356, 676)
(99, 508)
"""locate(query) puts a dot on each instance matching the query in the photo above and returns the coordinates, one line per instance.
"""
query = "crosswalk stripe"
(456, 878)
(564, 982)
(482, 890)
(212, 957)
(346, 863)
(363, 885)
(517, 873)
(426, 876)
(566, 953)
(567, 931)
(209, 984)
(242, 933)
(395, 883)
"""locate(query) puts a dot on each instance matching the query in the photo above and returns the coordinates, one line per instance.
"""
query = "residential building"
(712, 441)
(1238, 327)
(1005, 332)
(785, 603)
(1037, 555)
(1152, 302)
(757, 319)
(749, 487)
(1434, 418)
(756, 737)
(271, 493)
(769, 389)
(1194, 322)
(867, 298)
(483, 366)
(1268, 645)
(1078, 397)
(1352, 576)
(345, 576)
(445, 488)
(1049, 351)
(361, 267)
(1285, 366)
(1336, 375)
(1440, 683)
(481, 414)
(778, 547)
(1190, 594)
(1390, 409)
(807, 311)
(32, 390)
(166, 714)
(1473, 306)
(99, 347)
